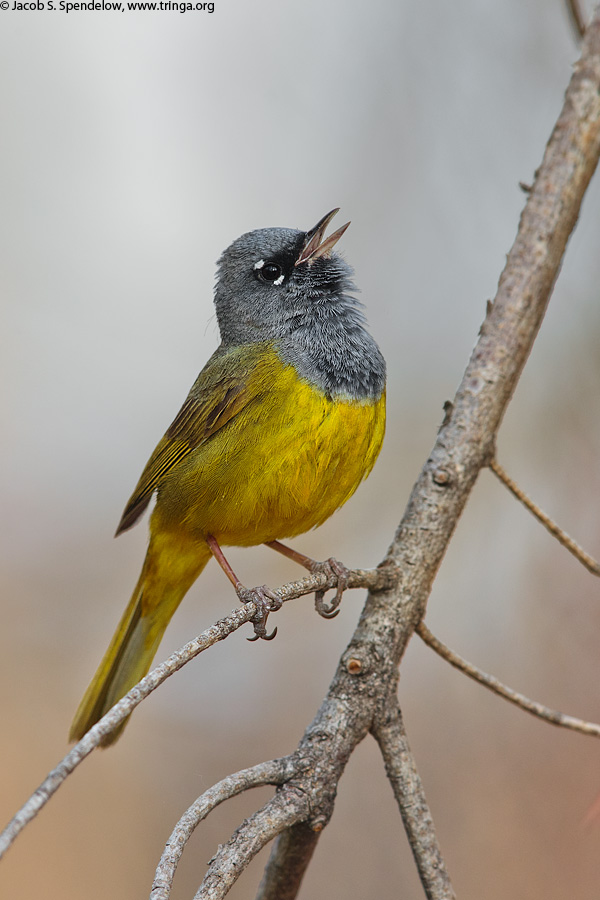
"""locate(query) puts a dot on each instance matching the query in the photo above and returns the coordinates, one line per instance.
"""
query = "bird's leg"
(264, 598)
(328, 567)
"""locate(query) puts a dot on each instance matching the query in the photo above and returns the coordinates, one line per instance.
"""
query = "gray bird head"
(287, 286)
(269, 281)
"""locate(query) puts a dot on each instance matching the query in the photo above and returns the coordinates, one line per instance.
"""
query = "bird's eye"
(270, 272)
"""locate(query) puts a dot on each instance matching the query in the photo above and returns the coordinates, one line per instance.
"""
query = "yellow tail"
(170, 568)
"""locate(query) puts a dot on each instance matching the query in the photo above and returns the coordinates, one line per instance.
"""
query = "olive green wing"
(224, 388)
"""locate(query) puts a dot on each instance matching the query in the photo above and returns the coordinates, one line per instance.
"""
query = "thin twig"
(280, 813)
(576, 17)
(276, 771)
(531, 706)
(561, 536)
(375, 579)
(114, 717)
(401, 769)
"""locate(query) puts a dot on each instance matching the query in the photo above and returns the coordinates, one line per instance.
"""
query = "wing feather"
(221, 391)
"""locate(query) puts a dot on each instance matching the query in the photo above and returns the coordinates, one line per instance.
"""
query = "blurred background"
(135, 147)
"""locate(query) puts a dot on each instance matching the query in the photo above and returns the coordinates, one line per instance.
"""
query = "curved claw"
(326, 610)
(264, 637)
(330, 611)
(266, 601)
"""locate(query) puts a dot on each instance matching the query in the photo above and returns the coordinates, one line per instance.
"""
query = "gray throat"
(336, 354)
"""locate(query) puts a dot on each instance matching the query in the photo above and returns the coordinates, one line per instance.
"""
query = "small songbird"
(279, 429)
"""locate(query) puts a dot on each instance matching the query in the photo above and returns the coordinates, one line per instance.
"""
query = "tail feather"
(159, 591)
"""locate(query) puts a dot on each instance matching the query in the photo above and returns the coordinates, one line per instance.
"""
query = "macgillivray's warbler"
(281, 426)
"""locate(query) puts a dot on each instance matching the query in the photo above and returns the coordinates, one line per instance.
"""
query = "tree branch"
(292, 852)
(561, 536)
(531, 706)
(121, 710)
(277, 771)
(401, 770)
(287, 808)
(576, 17)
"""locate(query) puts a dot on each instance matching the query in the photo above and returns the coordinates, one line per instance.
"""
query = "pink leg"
(220, 558)
(264, 598)
(300, 558)
(330, 566)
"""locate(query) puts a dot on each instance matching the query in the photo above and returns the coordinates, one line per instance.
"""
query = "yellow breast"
(283, 465)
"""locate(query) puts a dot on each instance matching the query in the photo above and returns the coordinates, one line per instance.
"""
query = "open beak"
(315, 246)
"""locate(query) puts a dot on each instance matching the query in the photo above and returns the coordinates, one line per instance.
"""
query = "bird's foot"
(330, 567)
(266, 601)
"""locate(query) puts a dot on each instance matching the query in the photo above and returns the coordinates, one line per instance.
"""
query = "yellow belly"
(279, 468)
